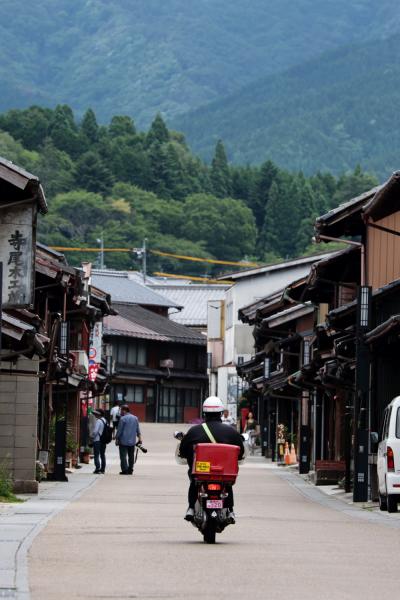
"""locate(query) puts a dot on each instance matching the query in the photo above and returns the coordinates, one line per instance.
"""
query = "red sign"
(93, 369)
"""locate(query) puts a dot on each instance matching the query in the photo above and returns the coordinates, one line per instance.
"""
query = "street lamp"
(101, 242)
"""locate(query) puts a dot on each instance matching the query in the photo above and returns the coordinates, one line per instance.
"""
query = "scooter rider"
(212, 409)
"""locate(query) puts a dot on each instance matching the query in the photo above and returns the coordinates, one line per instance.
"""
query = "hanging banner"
(95, 343)
(96, 340)
(17, 253)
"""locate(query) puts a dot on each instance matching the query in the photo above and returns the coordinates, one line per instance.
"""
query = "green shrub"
(6, 483)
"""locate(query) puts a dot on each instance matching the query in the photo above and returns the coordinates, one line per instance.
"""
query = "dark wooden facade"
(347, 374)
(160, 367)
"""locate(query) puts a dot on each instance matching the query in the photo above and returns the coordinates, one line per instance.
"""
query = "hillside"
(328, 114)
(139, 58)
(121, 185)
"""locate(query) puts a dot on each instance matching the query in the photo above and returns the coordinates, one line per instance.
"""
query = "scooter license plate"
(214, 504)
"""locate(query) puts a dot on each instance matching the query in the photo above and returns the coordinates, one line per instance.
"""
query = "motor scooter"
(214, 471)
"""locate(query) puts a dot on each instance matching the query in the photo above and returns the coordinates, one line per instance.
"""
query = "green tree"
(29, 126)
(158, 131)
(220, 174)
(93, 175)
(158, 180)
(55, 169)
(226, 225)
(303, 197)
(89, 127)
(353, 184)
(121, 125)
(282, 217)
(178, 245)
(264, 179)
(12, 150)
(64, 132)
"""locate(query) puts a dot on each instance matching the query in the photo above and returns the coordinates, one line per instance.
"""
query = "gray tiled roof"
(193, 298)
(136, 321)
(124, 289)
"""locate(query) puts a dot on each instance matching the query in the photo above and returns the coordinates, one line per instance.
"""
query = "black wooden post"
(1, 296)
(347, 443)
(361, 397)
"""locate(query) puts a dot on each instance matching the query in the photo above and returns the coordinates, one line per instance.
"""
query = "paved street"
(125, 537)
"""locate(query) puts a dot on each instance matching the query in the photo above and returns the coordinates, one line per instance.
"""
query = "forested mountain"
(117, 183)
(147, 56)
(328, 114)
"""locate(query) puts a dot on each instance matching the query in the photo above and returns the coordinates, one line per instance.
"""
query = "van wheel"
(382, 502)
(392, 503)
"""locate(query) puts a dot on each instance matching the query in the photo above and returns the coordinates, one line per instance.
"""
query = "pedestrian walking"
(128, 433)
(99, 444)
(227, 419)
(115, 415)
(252, 428)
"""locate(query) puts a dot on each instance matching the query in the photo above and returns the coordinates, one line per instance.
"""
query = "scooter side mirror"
(178, 435)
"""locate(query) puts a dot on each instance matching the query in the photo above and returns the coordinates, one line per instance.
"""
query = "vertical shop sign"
(17, 253)
(95, 350)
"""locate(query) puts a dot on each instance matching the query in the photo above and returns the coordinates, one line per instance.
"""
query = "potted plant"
(85, 455)
(71, 448)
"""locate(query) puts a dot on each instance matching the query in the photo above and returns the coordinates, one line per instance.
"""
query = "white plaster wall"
(248, 290)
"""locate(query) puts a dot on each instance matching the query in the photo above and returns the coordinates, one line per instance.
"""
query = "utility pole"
(144, 261)
(101, 242)
(141, 253)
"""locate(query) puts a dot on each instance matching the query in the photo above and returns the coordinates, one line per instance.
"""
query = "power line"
(67, 249)
(159, 253)
(192, 278)
(205, 260)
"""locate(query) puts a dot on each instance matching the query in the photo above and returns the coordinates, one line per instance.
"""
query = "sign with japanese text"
(95, 343)
(17, 253)
(96, 340)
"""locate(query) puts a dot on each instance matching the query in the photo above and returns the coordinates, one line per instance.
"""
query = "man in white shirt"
(227, 419)
(115, 414)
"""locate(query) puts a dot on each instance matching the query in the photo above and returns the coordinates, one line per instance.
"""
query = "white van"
(389, 458)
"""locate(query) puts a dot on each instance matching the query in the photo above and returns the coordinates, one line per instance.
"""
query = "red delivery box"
(216, 461)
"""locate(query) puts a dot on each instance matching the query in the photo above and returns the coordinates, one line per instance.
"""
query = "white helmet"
(212, 404)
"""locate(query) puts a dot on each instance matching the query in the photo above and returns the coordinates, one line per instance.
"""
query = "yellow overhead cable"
(206, 260)
(192, 278)
(98, 250)
(158, 253)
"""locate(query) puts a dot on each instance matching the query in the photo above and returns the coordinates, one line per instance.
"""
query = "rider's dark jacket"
(224, 434)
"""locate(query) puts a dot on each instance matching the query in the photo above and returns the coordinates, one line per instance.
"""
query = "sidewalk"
(331, 496)
(21, 523)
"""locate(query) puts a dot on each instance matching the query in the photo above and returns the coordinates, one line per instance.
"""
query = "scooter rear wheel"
(209, 533)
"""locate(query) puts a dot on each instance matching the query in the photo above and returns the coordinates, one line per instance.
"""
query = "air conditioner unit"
(167, 363)
(80, 361)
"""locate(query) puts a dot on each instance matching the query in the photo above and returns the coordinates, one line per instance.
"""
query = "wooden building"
(23, 341)
(346, 346)
(159, 366)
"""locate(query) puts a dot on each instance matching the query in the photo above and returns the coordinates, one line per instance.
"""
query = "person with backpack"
(128, 433)
(101, 435)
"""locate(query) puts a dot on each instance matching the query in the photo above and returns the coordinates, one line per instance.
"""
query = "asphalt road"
(126, 538)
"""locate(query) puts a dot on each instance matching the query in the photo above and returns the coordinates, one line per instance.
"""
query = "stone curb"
(314, 494)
